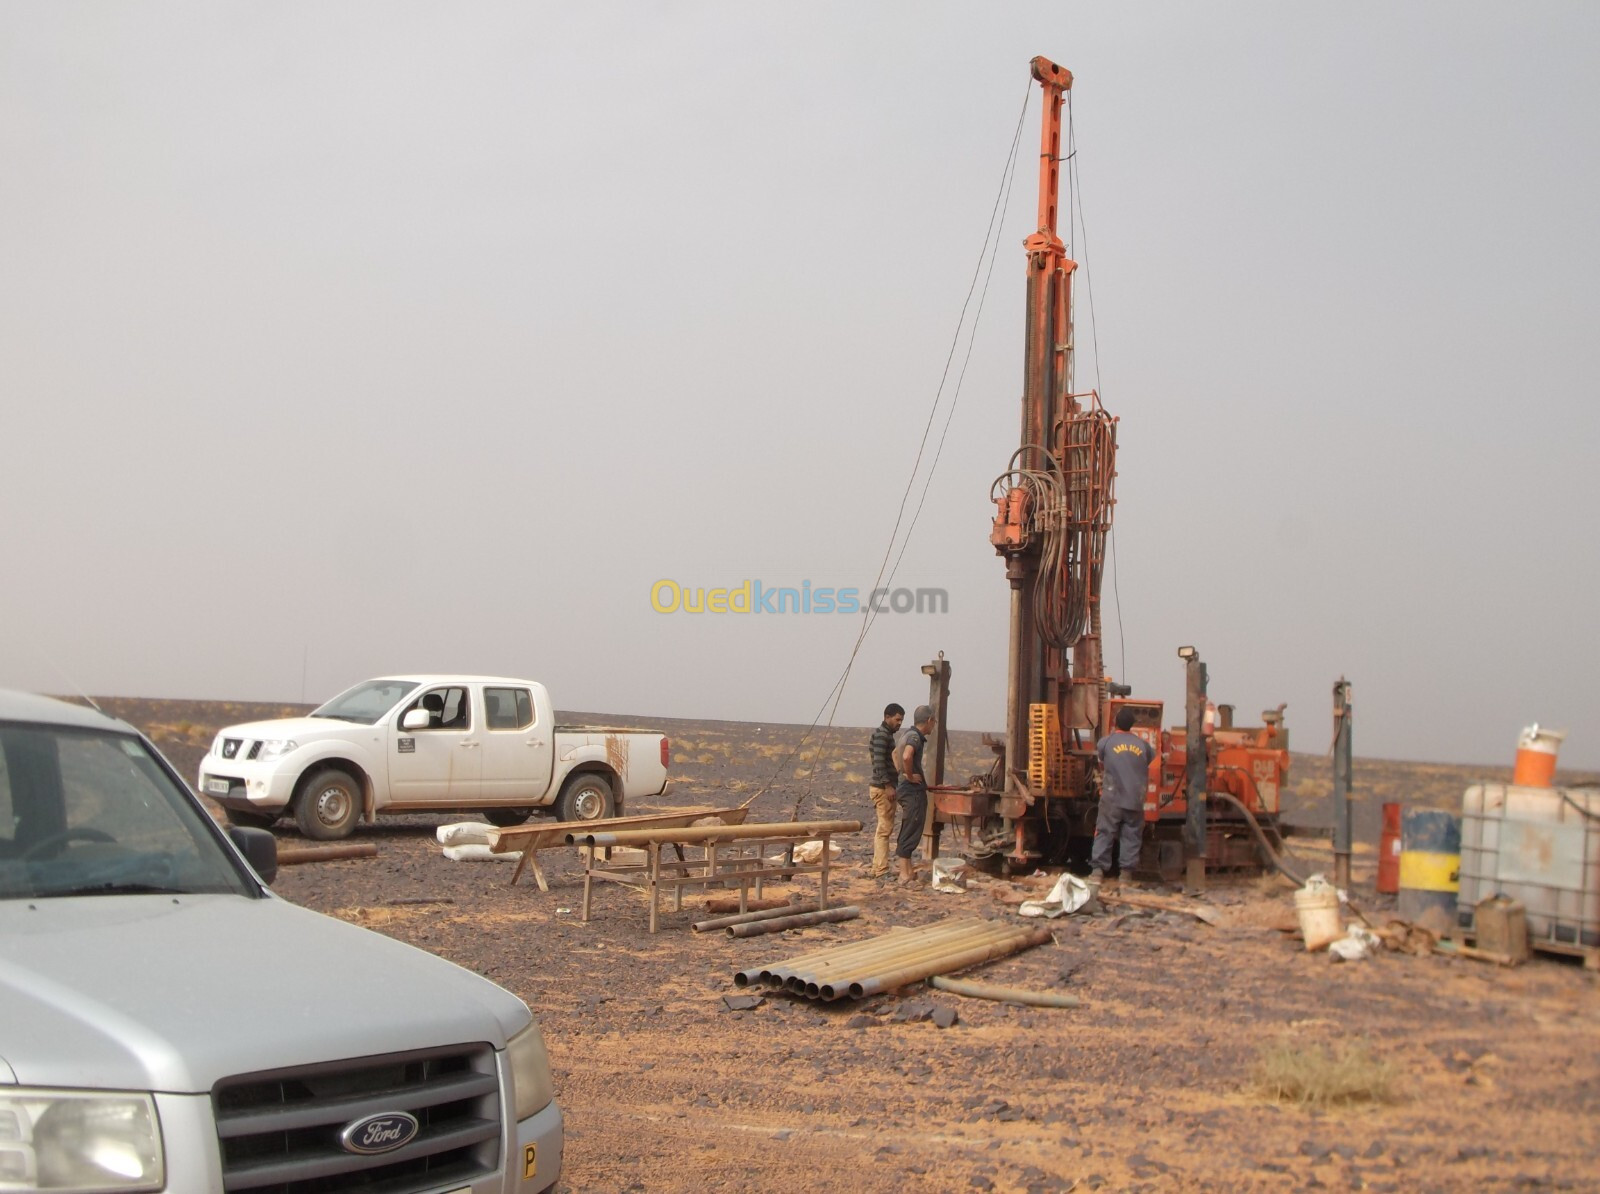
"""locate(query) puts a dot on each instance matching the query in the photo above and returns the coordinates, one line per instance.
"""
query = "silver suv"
(168, 1024)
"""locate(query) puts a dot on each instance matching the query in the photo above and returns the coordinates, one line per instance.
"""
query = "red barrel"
(1389, 850)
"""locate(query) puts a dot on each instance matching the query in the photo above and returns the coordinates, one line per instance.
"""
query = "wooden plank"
(1201, 912)
(542, 836)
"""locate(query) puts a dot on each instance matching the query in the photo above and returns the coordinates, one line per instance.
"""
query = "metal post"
(1343, 715)
(1194, 831)
(938, 673)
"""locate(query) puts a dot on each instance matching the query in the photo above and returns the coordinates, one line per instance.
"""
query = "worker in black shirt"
(882, 790)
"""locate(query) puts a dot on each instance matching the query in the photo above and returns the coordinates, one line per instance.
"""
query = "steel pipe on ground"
(764, 973)
(832, 972)
(867, 954)
(860, 989)
(909, 948)
(739, 918)
(896, 938)
(691, 834)
(834, 982)
(779, 924)
(293, 856)
(1021, 995)
(837, 984)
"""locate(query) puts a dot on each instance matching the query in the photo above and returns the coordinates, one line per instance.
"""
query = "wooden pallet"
(1589, 953)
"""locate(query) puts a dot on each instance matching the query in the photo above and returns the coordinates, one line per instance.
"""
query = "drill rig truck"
(1053, 512)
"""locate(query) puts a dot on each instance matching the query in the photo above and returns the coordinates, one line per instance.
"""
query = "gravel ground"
(1149, 1085)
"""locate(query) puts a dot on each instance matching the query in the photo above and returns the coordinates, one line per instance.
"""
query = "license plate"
(218, 786)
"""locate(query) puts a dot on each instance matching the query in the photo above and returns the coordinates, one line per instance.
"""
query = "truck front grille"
(279, 1130)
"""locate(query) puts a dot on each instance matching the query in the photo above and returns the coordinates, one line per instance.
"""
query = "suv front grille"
(279, 1130)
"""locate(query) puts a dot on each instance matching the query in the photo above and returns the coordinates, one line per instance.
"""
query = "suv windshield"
(92, 812)
(365, 703)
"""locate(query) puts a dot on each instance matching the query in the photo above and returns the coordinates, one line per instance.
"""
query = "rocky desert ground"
(1466, 1076)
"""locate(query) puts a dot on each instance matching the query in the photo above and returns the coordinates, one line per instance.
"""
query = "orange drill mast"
(1053, 512)
(1053, 507)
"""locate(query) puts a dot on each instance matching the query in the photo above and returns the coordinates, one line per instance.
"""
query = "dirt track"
(1148, 1086)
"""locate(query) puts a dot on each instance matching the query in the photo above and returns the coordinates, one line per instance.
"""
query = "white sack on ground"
(950, 875)
(462, 833)
(478, 852)
(812, 851)
(1355, 945)
(1068, 895)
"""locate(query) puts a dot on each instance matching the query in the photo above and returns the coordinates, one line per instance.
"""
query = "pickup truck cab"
(404, 744)
(167, 1024)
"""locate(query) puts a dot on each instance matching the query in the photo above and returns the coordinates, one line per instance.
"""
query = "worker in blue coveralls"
(1124, 773)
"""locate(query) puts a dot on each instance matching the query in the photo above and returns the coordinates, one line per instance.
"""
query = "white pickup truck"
(406, 744)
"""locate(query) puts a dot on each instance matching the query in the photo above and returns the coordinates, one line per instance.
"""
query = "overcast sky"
(346, 339)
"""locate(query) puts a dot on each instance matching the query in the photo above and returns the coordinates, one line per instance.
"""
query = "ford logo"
(379, 1133)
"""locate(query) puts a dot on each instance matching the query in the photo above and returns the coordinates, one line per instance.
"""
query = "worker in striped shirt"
(884, 781)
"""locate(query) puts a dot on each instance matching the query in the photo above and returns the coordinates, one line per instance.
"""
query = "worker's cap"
(924, 713)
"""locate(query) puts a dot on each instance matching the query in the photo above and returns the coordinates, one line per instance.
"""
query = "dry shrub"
(855, 777)
(680, 757)
(836, 765)
(705, 758)
(807, 755)
(802, 772)
(1314, 1076)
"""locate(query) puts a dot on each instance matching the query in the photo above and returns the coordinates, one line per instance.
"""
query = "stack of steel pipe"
(691, 834)
(895, 958)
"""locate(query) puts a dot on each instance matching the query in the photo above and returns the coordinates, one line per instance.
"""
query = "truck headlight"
(530, 1071)
(276, 747)
(84, 1141)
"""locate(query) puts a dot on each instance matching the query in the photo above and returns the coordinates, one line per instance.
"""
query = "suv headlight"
(273, 748)
(530, 1071)
(84, 1141)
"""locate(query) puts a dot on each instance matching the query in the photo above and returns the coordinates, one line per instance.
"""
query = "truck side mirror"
(414, 719)
(260, 850)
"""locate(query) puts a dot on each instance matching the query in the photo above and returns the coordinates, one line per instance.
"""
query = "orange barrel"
(1537, 748)
(1389, 850)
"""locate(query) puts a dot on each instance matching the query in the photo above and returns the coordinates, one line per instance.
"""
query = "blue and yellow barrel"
(1430, 862)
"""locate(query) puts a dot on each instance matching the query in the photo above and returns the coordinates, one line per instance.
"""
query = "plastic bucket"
(1317, 906)
(1430, 862)
(1537, 748)
(1389, 850)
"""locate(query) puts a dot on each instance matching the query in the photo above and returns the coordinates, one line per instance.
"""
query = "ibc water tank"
(1540, 846)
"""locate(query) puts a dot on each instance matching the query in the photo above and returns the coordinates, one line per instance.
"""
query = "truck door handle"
(469, 746)
(535, 743)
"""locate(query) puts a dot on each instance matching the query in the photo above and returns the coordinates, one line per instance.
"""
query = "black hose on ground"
(1272, 857)
(1261, 838)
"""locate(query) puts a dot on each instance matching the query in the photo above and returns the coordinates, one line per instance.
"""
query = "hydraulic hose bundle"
(1069, 504)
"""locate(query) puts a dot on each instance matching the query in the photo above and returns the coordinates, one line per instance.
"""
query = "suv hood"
(294, 727)
(164, 993)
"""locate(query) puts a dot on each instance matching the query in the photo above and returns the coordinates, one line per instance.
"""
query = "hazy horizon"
(351, 339)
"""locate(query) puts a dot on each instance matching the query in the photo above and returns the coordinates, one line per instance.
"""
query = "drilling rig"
(1053, 512)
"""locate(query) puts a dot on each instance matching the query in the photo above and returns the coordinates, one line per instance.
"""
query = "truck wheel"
(328, 805)
(586, 797)
(249, 820)
(505, 818)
